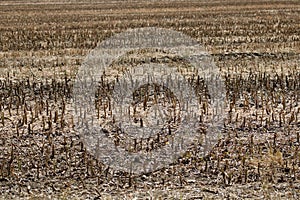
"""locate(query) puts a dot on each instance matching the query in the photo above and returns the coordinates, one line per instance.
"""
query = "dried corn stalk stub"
(147, 94)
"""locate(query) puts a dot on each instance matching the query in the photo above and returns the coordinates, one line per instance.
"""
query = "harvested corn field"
(255, 46)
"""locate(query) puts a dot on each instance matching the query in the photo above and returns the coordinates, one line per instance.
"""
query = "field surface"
(256, 46)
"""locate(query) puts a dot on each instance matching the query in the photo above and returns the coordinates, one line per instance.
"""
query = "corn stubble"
(41, 153)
